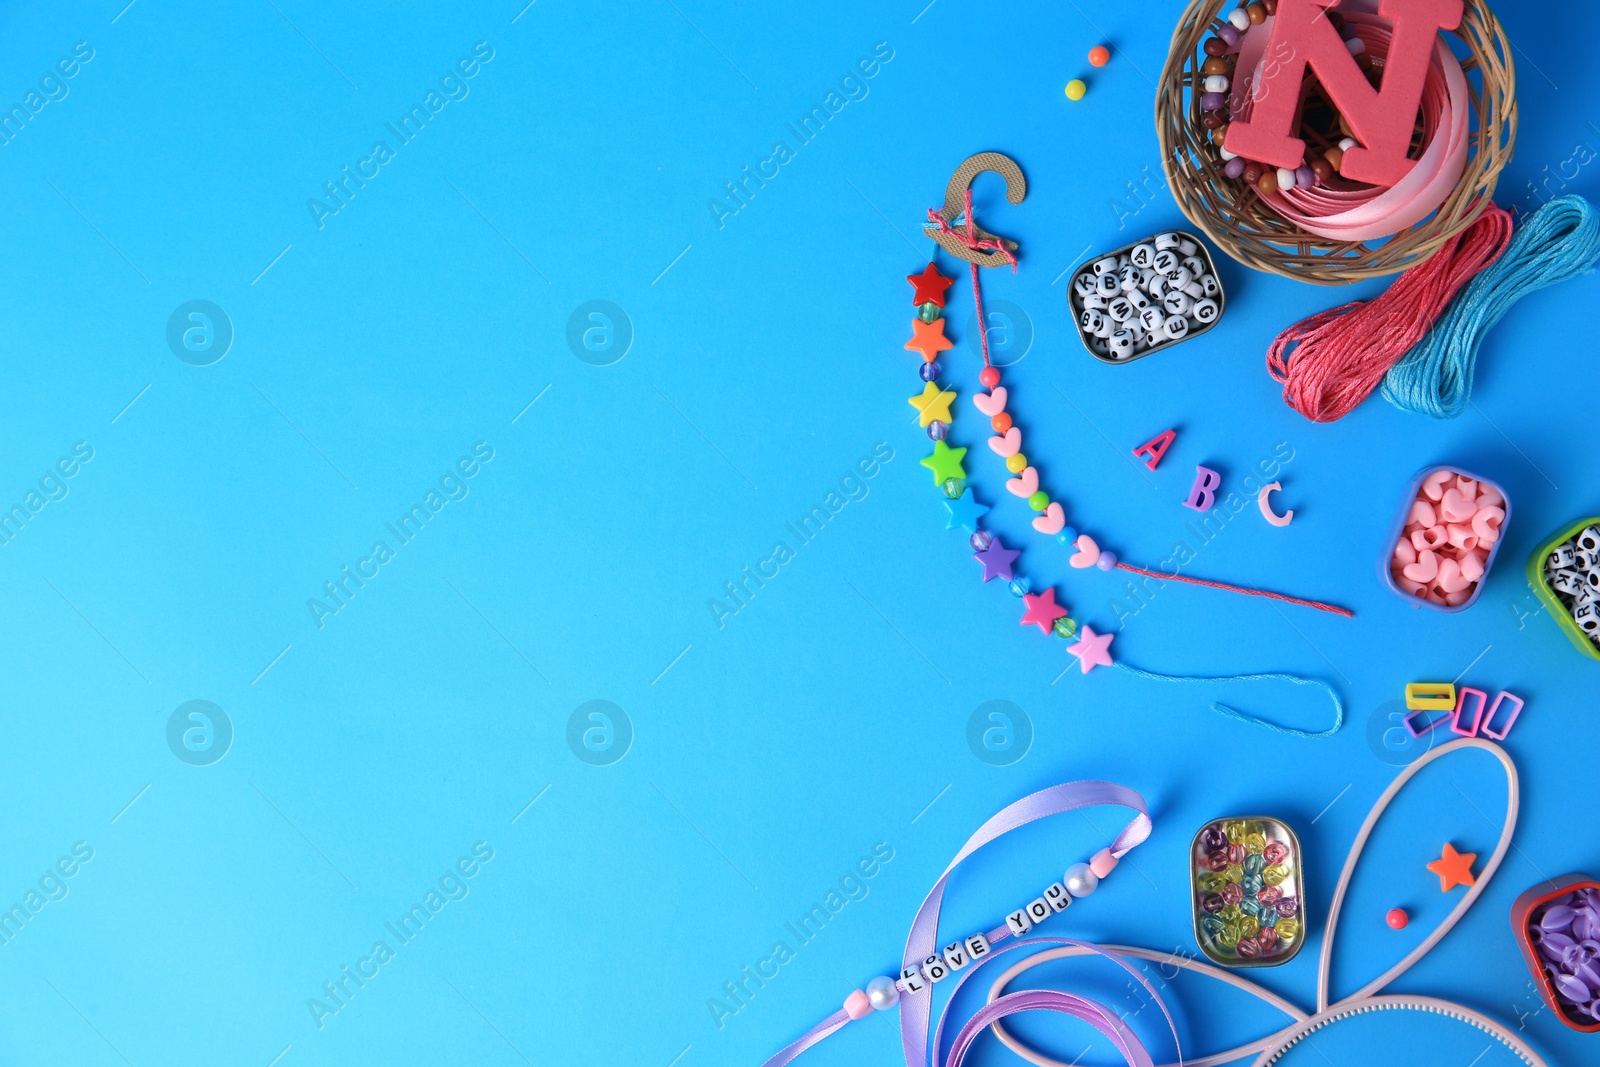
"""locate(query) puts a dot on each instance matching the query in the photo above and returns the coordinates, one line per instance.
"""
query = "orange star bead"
(930, 286)
(1453, 868)
(928, 338)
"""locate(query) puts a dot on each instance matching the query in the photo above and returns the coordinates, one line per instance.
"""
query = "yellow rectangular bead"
(1431, 696)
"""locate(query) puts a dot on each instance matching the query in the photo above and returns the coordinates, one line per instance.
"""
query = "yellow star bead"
(933, 403)
(945, 462)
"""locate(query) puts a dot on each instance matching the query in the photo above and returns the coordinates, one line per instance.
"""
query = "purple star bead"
(996, 560)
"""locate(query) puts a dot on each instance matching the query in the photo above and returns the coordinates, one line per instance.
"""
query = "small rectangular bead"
(1056, 895)
(935, 969)
(1019, 922)
(977, 946)
(955, 956)
(911, 980)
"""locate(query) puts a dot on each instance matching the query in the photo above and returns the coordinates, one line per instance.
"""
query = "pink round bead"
(857, 1006)
(1103, 863)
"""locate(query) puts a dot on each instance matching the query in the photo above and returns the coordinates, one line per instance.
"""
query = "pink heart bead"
(1457, 506)
(1025, 484)
(1432, 537)
(1489, 496)
(1405, 552)
(1088, 553)
(1052, 521)
(1461, 536)
(1423, 514)
(1450, 578)
(1486, 524)
(1408, 586)
(991, 403)
(1008, 444)
(1425, 569)
(1468, 486)
(1433, 485)
(1458, 598)
(1472, 565)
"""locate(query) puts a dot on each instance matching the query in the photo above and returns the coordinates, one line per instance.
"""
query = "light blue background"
(827, 715)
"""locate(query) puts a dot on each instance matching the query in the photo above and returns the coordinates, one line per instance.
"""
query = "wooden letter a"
(1381, 119)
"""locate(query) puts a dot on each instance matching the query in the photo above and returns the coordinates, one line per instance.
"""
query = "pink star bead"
(1042, 610)
(1092, 649)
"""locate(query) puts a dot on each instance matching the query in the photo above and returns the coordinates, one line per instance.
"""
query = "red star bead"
(930, 286)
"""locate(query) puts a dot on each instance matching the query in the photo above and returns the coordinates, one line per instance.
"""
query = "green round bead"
(953, 488)
(1066, 626)
(928, 312)
(1039, 501)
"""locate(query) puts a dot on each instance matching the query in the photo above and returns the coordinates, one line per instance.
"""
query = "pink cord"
(1163, 576)
(971, 241)
(1341, 355)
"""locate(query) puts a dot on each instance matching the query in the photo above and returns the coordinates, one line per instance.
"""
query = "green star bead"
(928, 312)
(1039, 501)
(945, 462)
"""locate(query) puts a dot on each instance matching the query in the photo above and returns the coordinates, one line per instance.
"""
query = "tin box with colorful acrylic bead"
(1249, 891)
(1564, 573)
(1557, 926)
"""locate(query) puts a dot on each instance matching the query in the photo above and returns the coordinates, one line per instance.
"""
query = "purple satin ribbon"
(1069, 796)
(916, 1010)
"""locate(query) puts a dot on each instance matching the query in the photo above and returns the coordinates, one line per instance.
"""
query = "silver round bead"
(1080, 880)
(882, 993)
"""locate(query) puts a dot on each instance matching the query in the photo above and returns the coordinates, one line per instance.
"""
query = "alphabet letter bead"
(1019, 922)
(1105, 265)
(1142, 255)
(1107, 285)
(1057, 896)
(1205, 311)
(1176, 327)
(955, 956)
(1177, 302)
(1122, 342)
(1562, 558)
(977, 946)
(935, 969)
(1038, 910)
(911, 980)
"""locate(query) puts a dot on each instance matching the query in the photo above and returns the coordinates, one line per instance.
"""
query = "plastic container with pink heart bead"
(1444, 538)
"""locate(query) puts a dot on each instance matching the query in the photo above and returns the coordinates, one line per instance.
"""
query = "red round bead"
(1398, 918)
(989, 376)
(1001, 422)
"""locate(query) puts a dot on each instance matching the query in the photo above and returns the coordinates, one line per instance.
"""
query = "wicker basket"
(1233, 215)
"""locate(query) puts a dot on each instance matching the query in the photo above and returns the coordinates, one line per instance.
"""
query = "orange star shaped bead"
(928, 338)
(932, 403)
(930, 286)
(1453, 868)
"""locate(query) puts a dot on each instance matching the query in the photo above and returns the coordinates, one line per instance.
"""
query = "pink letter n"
(1381, 119)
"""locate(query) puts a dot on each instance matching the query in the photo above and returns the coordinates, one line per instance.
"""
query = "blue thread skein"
(1559, 241)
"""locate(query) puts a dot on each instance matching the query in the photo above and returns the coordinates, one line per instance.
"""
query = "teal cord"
(1232, 713)
(1559, 241)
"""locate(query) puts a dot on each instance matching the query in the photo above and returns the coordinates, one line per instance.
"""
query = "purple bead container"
(1399, 524)
(1530, 914)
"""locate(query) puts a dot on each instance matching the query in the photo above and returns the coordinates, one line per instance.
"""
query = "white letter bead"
(1209, 285)
(1196, 268)
(977, 946)
(1205, 311)
(1099, 345)
(1215, 83)
(1561, 558)
(1176, 327)
(1105, 265)
(1141, 255)
(935, 969)
(1092, 318)
(1039, 910)
(1194, 291)
(1151, 319)
(1083, 284)
(1589, 540)
(1138, 300)
(1122, 342)
(911, 980)
(1585, 560)
(1157, 286)
(1166, 261)
(955, 956)
(1178, 277)
(1057, 896)
(1177, 303)
(1186, 247)
(1094, 300)
(1120, 309)
(1019, 922)
(1107, 285)
(1587, 618)
(1240, 19)
(1166, 240)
